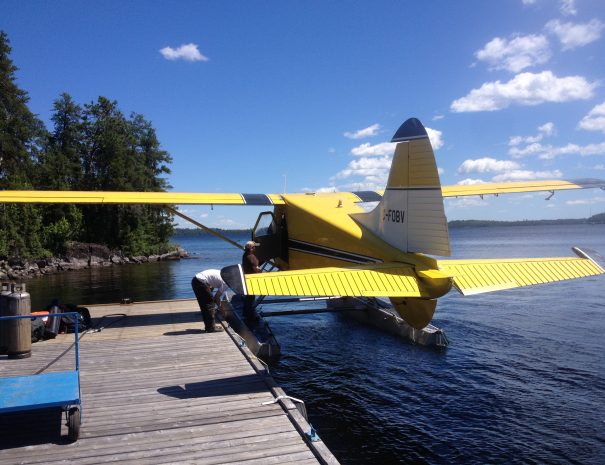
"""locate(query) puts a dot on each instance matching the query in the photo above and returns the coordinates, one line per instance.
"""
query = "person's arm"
(255, 263)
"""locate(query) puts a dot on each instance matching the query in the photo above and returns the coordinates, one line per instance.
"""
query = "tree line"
(89, 147)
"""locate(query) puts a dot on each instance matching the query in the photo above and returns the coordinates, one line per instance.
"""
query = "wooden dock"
(156, 389)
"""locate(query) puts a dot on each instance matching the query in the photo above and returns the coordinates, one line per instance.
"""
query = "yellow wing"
(486, 275)
(521, 186)
(384, 279)
(186, 198)
(174, 198)
(104, 197)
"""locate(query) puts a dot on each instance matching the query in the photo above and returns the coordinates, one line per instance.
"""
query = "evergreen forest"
(93, 146)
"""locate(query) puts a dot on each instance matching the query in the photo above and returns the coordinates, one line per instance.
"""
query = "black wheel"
(73, 424)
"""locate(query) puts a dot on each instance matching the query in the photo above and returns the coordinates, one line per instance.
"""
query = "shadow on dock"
(19, 429)
(123, 320)
(247, 384)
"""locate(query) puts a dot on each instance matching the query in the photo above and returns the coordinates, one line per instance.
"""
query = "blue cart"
(60, 389)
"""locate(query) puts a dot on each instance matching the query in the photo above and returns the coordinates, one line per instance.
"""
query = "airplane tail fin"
(410, 215)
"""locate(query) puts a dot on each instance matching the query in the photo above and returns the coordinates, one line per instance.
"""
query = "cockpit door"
(272, 236)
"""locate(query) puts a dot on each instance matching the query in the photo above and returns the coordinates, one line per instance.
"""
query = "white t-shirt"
(213, 279)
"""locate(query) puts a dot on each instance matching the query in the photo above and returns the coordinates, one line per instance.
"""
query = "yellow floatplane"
(326, 244)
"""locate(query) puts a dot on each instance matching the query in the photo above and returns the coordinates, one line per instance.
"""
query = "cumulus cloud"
(366, 132)
(547, 129)
(547, 152)
(466, 202)
(187, 52)
(525, 89)
(376, 168)
(387, 148)
(591, 201)
(526, 175)
(369, 150)
(568, 8)
(436, 138)
(487, 165)
(320, 189)
(594, 120)
(516, 54)
(573, 35)
(470, 182)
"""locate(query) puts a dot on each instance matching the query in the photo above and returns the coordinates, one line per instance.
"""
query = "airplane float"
(326, 244)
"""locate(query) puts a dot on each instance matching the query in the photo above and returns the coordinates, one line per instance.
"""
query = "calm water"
(523, 380)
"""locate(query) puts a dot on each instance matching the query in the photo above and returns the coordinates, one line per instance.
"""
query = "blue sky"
(255, 96)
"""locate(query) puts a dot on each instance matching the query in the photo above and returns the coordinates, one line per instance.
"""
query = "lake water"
(523, 380)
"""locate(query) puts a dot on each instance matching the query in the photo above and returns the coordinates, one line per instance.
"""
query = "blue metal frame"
(58, 387)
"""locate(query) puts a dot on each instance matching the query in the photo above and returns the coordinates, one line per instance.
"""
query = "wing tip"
(233, 275)
(591, 255)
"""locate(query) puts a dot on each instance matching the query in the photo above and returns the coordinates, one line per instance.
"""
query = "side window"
(265, 225)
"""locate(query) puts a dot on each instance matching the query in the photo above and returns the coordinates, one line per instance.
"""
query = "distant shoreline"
(595, 219)
(482, 223)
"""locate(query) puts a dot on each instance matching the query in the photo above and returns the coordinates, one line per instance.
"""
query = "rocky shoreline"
(78, 256)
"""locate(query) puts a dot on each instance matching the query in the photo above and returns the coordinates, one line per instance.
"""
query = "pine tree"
(122, 154)
(60, 168)
(21, 135)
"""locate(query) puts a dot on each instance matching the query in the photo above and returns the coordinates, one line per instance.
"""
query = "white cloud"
(594, 120)
(487, 165)
(470, 182)
(526, 175)
(362, 186)
(547, 129)
(377, 150)
(187, 52)
(525, 89)
(435, 137)
(438, 117)
(366, 132)
(516, 54)
(320, 189)
(440, 171)
(528, 2)
(547, 152)
(372, 167)
(568, 8)
(388, 148)
(599, 167)
(591, 201)
(575, 35)
(466, 202)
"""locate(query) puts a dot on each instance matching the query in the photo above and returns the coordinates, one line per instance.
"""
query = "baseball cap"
(251, 244)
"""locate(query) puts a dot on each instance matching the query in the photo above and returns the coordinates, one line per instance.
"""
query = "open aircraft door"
(272, 235)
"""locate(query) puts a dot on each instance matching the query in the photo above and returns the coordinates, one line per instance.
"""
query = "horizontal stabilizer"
(488, 275)
(383, 279)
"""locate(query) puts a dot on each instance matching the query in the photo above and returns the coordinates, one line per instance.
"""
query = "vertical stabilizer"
(410, 215)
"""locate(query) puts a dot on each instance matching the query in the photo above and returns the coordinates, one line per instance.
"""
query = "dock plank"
(156, 389)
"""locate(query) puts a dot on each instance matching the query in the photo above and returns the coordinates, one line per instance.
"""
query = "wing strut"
(205, 228)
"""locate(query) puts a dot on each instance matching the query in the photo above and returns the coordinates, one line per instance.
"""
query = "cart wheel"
(73, 424)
